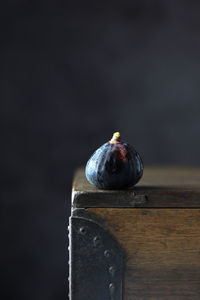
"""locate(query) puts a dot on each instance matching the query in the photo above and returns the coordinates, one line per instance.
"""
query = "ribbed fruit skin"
(114, 166)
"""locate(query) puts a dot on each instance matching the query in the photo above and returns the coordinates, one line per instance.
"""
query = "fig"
(115, 165)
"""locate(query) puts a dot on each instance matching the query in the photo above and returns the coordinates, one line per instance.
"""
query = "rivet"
(83, 230)
(112, 270)
(97, 241)
(112, 289)
(107, 253)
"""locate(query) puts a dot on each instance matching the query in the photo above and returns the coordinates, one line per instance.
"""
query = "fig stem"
(115, 138)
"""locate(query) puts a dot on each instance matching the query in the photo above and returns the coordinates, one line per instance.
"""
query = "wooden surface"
(160, 186)
(162, 251)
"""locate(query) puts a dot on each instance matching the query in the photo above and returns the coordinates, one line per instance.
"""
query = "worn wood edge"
(138, 196)
(82, 199)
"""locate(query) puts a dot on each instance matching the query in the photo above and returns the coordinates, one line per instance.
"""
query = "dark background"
(71, 73)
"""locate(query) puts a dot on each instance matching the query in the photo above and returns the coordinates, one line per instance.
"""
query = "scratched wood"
(160, 186)
(162, 251)
(161, 238)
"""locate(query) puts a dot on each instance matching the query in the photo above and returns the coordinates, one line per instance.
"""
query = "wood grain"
(162, 250)
(160, 187)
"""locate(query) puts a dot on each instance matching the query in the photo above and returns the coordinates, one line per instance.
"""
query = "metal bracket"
(96, 261)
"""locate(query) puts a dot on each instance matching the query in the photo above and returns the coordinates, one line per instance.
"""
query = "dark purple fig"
(115, 165)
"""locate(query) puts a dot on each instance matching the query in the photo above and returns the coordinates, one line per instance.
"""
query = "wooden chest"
(139, 243)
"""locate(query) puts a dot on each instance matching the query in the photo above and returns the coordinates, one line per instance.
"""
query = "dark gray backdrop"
(72, 72)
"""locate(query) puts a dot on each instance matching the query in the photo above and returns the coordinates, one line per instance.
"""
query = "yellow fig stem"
(115, 138)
